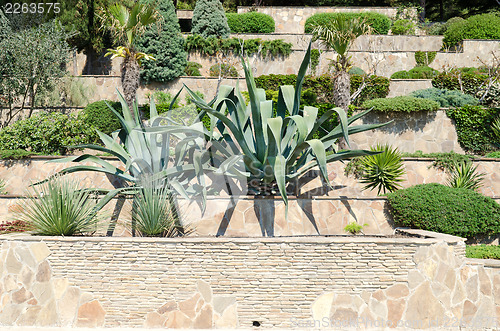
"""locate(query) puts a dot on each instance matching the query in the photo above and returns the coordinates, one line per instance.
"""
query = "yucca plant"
(59, 207)
(277, 148)
(464, 175)
(382, 171)
(154, 213)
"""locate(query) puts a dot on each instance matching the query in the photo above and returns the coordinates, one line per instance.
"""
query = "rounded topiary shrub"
(209, 19)
(484, 26)
(439, 208)
(251, 22)
(98, 115)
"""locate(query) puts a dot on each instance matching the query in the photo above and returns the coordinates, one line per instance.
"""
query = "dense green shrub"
(376, 86)
(423, 59)
(482, 252)
(223, 70)
(402, 74)
(315, 54)
(15, 154)
(357, 71)
(403, 27)
(192, 69)
(46, 133)
(449, 80)
(495, 155)
(401, 104)
(250, 22)
(435, 29)
(211, 46)
(380, 23)
(98, 115)
(209, 19)
(473, 126)
(439, 208)
(446, 98)
(165, 43)
(422, 72)
(484, 26)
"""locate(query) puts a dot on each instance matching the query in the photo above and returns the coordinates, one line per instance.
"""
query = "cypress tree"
(209, 19)
(165, 43)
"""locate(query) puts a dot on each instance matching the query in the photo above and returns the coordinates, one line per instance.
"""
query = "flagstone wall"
(237, 282)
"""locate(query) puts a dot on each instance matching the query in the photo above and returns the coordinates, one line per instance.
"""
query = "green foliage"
(484, 26)
(464, 175)
(495, 155)
(59, 207)
(376, 86)
(482, 252)
(416, 73)
(212, 46)
(354, 228)
(424, 59)
(250, 22)
(277, 149)
(435, 29)
(192, 69)
(315, 54)
(165, 44)
(401, 104)
(439, 208)
(32, 61)
(98, 116)
(357, 71)
(15, 154)
(223, 70)
(379, 23)
(383, 171)
(443, 161)
(209, 19)
(403, 27)
(154, 213)
(446, 98)
(45, 133)
(470, 82)
(473, 126)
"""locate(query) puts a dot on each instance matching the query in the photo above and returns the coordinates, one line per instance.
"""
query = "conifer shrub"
(401, 104)
(434, 207)
(166, 44)
(209, 19)
(445, 98)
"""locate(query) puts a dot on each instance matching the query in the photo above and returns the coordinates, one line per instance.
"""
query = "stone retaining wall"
(235, 283)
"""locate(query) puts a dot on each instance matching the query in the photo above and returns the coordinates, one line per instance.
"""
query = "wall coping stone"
(490, 263)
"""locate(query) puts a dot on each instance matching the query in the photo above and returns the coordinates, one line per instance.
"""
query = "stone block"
(90, 315)
(155, 320)
(205, 318)
(424, 306)
(47, 316)
(39, 251)
(68, 305)
(222, 302)
(43, 272)
(205, 290)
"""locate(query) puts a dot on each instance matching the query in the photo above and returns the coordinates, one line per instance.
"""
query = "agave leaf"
(300, 80)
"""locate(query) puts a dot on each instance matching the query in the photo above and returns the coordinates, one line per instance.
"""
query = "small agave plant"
(276, 147)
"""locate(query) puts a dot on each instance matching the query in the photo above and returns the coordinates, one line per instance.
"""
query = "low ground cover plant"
(482, 251)
(446, 98)
(439, 208)
(421, 72)
(401, 104)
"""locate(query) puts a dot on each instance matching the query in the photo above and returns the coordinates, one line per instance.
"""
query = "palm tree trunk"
(130, 80)
(342, 97)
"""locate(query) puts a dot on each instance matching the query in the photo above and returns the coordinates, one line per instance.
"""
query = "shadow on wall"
(414, 121)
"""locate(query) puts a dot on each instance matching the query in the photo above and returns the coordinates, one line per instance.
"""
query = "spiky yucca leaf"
(59, 207)
(383, 171)
(464, 175)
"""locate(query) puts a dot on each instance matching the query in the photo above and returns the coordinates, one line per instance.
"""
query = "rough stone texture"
(31, 296)
(231, 282)
(426, 303)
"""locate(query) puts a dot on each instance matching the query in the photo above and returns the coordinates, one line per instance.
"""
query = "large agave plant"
(277, 147)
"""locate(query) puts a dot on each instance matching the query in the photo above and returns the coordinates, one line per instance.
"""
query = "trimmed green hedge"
(376, 86)
(47, 133)
(483, 26)
(422, 72)
(251, 22)
(439, 208)
(449, 80)
(446, 98)
(473, 126)
(380, 23)
(401, 104)
(98, 116)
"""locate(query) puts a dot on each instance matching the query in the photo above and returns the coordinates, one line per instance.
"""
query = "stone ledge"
(490, 263)
(429, 234)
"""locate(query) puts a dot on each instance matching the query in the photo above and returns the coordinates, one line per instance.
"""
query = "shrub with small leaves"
(98, 115)
(439, 208)
(446, 98)
(250, 22)
(424, 59)
(483, 26)
(223, 70)
(482, 252)
(380, 23)
(401, 104)
(403, 27)
(193, 69)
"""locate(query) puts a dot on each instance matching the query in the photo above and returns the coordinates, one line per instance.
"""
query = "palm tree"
(339, 35)
(128, 25)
